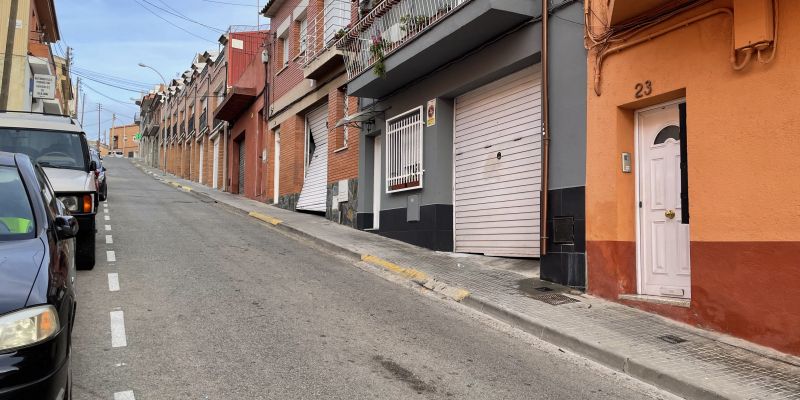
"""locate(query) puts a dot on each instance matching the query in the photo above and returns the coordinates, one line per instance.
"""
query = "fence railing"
(387, 27)
(203, 120)
(324, 29)
(191, 125)
(404, 146)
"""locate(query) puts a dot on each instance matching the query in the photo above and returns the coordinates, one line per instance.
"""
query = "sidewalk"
(678, 358)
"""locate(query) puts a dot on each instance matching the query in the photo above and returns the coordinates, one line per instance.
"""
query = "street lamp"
(163, 114)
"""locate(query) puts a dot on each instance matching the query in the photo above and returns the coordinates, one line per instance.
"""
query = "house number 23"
(643, 89)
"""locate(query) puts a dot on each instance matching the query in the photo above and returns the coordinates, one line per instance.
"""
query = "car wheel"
(85, 249)
(103, 192)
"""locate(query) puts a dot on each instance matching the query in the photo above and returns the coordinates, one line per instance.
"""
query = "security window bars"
(404, 146)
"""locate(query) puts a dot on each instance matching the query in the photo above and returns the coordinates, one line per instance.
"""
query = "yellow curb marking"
(265, 218)
(186, 188)
(460, 294)
(407, 272)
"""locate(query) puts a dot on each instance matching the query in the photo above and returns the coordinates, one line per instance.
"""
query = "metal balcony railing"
(203, 120)
(217, 123)
(387, 27)
(191, 125)
(324, 29)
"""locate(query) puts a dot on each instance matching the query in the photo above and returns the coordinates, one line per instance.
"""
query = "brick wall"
(292, 133)
(284, 79)
(342, 162)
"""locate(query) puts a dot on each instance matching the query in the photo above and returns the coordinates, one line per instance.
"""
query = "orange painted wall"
(744, 173)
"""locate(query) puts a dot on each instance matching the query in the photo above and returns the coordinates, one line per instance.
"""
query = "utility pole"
(99, 107)
(83, 107)
(111, 131)
(77, 95)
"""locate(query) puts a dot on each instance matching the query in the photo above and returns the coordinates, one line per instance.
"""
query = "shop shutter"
(315, 189)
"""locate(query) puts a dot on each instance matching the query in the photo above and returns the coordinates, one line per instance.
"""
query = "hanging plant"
(377, 50)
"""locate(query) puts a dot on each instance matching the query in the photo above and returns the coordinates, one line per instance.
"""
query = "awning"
(235, 103)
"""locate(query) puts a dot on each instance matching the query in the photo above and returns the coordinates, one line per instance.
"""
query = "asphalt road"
(212, 304)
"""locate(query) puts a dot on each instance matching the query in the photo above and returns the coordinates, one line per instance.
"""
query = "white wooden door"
(276, 177)
(315, 185)
(215, 167)
(377, 181)
(202, 157)
(497, 163)
(664, 240)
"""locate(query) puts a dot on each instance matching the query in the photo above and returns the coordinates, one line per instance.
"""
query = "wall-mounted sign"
(237, 44)
(44, 86)
(430, 113)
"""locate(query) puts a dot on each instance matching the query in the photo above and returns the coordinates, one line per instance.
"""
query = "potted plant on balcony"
(411, 24)
(377, 51)
(442, 11)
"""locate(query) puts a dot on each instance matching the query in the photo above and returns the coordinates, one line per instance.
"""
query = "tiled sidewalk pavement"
(623, 338)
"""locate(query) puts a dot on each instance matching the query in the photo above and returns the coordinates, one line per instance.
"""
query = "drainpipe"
(545, 134)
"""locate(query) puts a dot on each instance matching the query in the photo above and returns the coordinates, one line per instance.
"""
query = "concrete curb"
(608, 356)
(612, 358)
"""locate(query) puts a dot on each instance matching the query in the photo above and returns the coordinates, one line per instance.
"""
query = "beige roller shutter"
(315, 185)
(498, 167)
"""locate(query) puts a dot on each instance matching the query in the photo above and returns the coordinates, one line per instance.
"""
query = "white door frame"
(637, 142)
(377, 181)
(202, 159)
(215, 166)
(276, 171)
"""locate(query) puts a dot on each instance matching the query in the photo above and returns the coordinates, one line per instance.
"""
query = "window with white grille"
(404, 151)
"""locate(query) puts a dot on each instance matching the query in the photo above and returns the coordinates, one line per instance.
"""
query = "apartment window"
(285, 44)
(404, 151)
(303, 35)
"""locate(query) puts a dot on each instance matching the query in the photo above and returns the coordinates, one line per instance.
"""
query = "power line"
(181, 16)
(228, 3)
(109, 97)
(129, 89)
(171, 23)
(111, 77)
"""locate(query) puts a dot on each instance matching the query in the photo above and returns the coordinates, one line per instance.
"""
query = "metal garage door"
(315, 189)
(497, 145)
(241, 166)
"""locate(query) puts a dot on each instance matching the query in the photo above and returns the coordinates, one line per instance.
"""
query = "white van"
(58, 144)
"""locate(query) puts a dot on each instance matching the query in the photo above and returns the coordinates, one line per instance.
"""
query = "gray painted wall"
(567, 97)
(513, 52)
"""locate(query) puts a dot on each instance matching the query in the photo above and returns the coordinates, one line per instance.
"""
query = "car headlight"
(78, 204)
(28, 326)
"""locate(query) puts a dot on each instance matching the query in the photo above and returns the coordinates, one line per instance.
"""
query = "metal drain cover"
(543, 289)
(673, 339)
(554, 299)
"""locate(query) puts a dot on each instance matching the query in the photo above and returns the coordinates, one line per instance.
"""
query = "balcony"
(190, 132)
(203, 121)
(321, 33)
(408, 39)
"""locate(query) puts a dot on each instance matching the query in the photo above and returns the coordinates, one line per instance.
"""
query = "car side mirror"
(66, 226)
(92, 165)
(103, 168)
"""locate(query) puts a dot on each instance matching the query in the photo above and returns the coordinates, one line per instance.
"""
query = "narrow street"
(214, 305)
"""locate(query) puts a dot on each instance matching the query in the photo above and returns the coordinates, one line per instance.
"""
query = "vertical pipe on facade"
(545, 134)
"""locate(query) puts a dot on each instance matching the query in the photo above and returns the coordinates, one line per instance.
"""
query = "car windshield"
(16, 216)
(51, 149)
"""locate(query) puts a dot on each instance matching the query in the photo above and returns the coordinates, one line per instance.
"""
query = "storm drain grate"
(554, 299)
(543, 289)
(673, 339)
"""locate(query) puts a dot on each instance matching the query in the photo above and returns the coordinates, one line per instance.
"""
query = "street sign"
(44, 86)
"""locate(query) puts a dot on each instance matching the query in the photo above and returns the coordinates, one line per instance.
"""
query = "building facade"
(691, 199)
(28, 70)
(314, 165)
(124, 139)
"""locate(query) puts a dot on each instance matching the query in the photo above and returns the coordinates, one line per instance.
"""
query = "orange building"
(693, 191)
(123, 139)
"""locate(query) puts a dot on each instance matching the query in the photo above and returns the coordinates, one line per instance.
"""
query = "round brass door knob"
(669, 214)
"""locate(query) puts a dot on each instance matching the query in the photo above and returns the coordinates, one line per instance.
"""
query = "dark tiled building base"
(289, 201)
(565, 261)
(344, 212)
(434, 230)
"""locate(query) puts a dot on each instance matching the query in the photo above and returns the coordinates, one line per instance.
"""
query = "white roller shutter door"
(315, 185)
(498, 167)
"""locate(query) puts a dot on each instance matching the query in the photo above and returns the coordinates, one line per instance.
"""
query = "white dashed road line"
(109, 239)
(118, 338)
(126, 395)
(111, 256)
(113, 282)
(107, 218)
(108, 227)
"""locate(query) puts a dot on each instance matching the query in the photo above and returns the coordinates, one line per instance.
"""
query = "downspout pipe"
(545, 133)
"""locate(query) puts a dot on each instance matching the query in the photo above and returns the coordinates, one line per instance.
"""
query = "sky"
(109, 38)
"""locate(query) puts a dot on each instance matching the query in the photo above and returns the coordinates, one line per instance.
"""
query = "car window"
(47, 193)
(16, 214)
(54, 149)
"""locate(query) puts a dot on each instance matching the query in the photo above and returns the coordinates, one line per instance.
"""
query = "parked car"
(100, 174)
(37, 278)
(58, 144)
